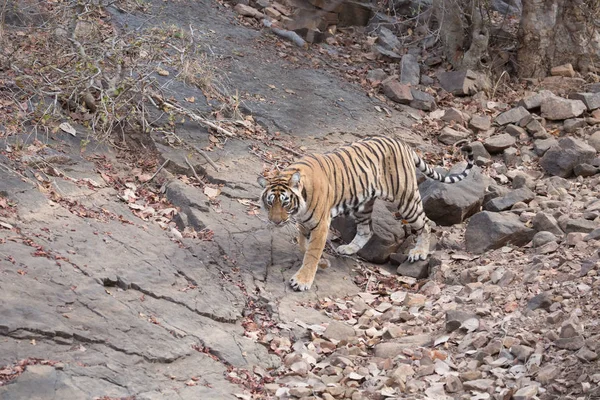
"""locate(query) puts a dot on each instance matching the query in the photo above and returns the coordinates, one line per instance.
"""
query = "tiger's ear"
(262, 181)
(295, 180)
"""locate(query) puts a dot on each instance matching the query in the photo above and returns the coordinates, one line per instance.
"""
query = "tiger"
(347, 181)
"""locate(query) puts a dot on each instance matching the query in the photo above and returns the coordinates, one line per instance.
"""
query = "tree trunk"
(462, 32)
(556, 32)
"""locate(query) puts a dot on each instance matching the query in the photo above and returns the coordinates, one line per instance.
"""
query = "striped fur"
(347, 181)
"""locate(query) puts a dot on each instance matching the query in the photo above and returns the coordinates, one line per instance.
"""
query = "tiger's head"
(281, 196)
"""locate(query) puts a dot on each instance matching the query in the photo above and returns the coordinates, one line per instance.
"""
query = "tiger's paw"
(300, 282)
(417, 254)
(348, 249)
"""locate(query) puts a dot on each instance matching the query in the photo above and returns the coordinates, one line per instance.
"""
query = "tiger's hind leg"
(413, 213)
(364, 230)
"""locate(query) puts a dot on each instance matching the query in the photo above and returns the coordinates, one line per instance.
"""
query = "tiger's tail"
(453, 178)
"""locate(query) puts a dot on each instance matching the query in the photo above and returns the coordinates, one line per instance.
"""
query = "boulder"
(557, 108)
(490, 230)
(496, 144)
(570, 152)
(449, 204)
(388, 233)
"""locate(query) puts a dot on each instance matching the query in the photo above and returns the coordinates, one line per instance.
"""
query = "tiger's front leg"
(304, 277)
(303, 235)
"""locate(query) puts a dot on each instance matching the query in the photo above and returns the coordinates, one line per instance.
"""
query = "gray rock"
(453, 384)
(535, 128)
(451, 204)
(560, 160)
(496, 144)
(36, 382)
(387, 53)
(587, 355)
(489, 230)
(388, 233)
(511, 157)
(516, 131)
(521, 352)
(410, 73)
(535, 100)
(455, 318)
(506, 202)
(571, 343)
(397, 347)
(422, 101)
(543, 237)
(397, 92)
(459, 83)
(526, 393)
(546, 222)
(338, 330)
(548, 373)
(542, 300)
(376, 75)
(480, 122)
(593, 235)
(512, 116)
(387, 39)
(481, 385)
(557, 108)
(418, 269)
(450, 136)
(591, 100)
(479, 150)
(523, 180)
(593, 87)
(541, 146)
(571, 125)
(594, 140)
(581, 225)
(585, 170)
(455, 115)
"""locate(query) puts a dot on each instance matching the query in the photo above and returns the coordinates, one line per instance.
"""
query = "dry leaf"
(66, 127)
(162, 72)
(190, 99)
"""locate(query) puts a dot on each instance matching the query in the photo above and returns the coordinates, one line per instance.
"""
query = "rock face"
(449, 204)
(488, 230)
(560, 160)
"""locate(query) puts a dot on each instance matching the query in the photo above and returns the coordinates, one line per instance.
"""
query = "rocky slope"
(152, 273)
